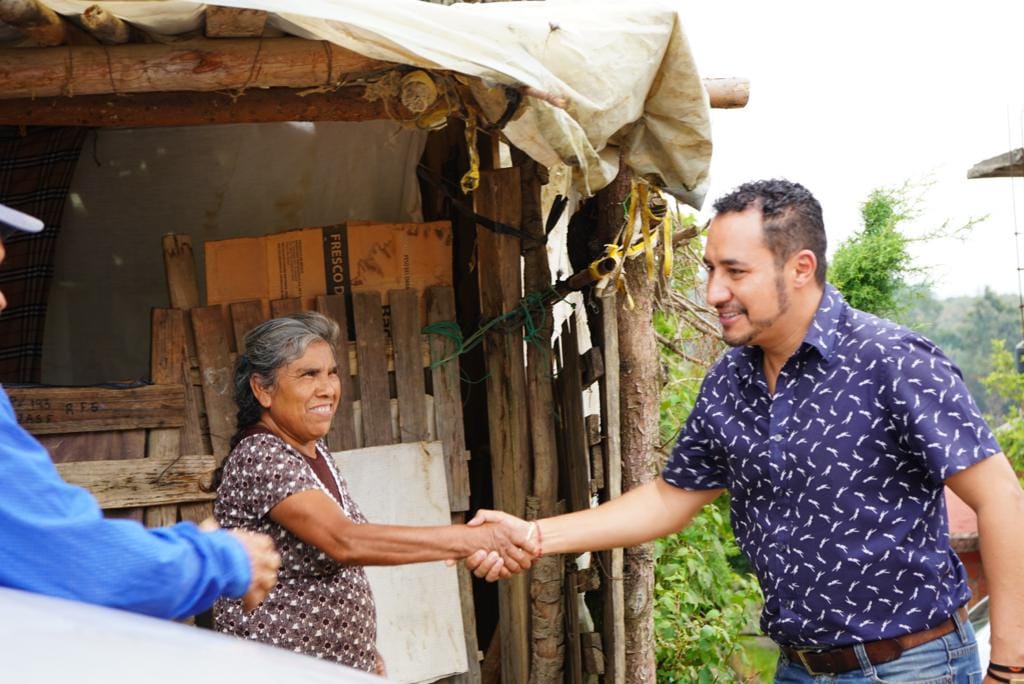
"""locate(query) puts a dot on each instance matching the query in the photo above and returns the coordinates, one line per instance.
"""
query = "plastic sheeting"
(625, 70)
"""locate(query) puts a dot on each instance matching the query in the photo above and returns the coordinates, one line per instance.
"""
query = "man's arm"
(992, 490)
(650, 511)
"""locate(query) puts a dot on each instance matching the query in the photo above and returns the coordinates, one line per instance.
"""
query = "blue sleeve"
(697, 462)
(934, 411)
(54, 540)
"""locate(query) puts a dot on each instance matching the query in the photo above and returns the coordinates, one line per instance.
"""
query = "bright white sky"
(849, 97)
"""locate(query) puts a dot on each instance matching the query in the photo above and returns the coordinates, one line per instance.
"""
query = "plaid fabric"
(36, 165)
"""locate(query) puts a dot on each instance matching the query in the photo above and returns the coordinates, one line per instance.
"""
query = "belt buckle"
(802, 657)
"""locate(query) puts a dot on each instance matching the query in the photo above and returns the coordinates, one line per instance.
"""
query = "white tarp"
(624, 68)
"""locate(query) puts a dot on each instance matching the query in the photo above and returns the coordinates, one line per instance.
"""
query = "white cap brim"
(16, 220)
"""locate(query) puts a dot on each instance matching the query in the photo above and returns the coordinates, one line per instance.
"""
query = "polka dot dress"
(319, 606)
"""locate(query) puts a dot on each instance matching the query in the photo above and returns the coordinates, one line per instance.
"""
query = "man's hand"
(512, 548)
(264, 561)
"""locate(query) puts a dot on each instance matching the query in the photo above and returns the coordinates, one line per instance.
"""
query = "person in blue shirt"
(54, 539)
(834, 432)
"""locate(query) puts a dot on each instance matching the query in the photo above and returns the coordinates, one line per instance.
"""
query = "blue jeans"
(952, 659)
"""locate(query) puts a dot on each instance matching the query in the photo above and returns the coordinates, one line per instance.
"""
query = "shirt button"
(776, 438)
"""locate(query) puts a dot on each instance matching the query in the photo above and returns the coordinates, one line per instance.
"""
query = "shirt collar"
(821, 335)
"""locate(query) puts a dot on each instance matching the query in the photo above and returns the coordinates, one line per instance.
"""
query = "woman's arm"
(316, 519)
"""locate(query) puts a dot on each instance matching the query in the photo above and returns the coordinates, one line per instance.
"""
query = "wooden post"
(216, 368)
(613, 625)
(499, 198)
(546, 579)
(168, 359)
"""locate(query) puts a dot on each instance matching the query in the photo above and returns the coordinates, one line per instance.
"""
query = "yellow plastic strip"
(666, 238)
(471, 179)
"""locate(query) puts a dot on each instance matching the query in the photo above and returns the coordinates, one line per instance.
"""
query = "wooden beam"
(36, 20)
(727, 93)
(105, 27)
(196, 65)
(1007, 165)
(59, 410)
(234, 22)
(142, 481)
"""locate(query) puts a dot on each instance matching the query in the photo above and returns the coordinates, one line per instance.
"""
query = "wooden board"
(142, 481)
(342, 436)
(612, 597)
(168, 358)
(216, 370)
(60, 410)
(409, 383)
(499, 269)
(283, 307)
(577, 455)
(375, 403)
(448, 399)
(244, 317)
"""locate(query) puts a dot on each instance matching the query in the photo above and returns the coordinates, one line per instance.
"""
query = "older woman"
(280, 479)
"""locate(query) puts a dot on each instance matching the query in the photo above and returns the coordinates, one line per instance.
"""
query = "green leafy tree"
(871, 268)
(1004, 381)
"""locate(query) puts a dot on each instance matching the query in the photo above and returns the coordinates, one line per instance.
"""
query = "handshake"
(503, 544)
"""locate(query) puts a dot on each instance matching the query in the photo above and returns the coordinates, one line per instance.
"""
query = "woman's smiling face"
(300, 405)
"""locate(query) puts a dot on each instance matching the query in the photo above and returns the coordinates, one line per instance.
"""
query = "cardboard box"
(351, 257)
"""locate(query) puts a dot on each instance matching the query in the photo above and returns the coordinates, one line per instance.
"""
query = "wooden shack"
(115, 124)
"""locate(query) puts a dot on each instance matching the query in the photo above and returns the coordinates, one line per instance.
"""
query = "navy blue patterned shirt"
(837, 480)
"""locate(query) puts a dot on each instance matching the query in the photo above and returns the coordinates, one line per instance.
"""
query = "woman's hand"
(510, 547)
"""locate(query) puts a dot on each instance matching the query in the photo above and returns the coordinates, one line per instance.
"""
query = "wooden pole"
(104, 26)
(546, 580)
(36, 20)
(499, 268)
(196, 65)
(234, 22)
(727, 93)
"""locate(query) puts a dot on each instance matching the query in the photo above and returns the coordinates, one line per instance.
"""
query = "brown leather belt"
(838, 660)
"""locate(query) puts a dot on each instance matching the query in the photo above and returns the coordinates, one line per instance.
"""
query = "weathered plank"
(375, 404)
(592, 652)
(472, 675)
(593, 366)
(577, 455)
(142, 481)
(448, 399)
(409, 383)
(244, 317)
(283, 307)
(95, 446)
(168, 359)
(180, 265)
(613, 601)
(216, 370)
(499, 267)
(59, 410)
(342, 436)
(573, 649)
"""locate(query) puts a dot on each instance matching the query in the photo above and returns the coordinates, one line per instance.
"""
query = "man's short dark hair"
(792, 218)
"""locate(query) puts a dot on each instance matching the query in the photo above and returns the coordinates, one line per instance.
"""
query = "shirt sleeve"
(697, 462)
(261, 472)
(934, 411)
(54, 540)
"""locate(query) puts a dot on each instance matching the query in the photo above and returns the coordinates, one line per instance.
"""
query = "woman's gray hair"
(269, 347)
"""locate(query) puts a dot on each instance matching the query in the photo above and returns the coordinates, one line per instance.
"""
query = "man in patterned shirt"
(834, 432)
